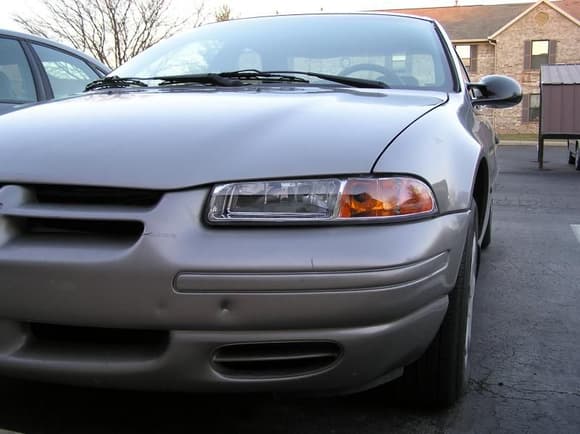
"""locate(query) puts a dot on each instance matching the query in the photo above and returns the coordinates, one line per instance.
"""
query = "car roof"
(327, 14)
(45, 41)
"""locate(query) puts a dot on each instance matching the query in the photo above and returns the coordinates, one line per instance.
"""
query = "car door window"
(16, 82)
(67, 74)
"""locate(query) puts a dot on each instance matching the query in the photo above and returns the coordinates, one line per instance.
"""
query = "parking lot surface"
(525, 350)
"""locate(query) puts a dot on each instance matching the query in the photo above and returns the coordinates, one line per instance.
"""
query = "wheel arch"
(481, 193)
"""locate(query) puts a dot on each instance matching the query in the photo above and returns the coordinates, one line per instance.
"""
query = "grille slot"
(77, 343)
(117, 230)
(54, 232)
(274, 359)
(102, 196)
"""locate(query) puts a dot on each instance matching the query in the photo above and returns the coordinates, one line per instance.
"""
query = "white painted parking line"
(576, 230)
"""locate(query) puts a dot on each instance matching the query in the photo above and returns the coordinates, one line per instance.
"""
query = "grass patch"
(519, 137)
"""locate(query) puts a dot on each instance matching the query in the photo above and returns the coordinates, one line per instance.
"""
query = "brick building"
(512, 39)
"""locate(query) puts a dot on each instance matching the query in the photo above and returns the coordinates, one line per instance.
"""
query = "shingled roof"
(482, 21)
(571, 7)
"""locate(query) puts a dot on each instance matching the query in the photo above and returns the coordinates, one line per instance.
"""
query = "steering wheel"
(387, 76)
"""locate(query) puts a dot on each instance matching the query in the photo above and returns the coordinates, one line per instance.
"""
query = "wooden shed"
(559, 104)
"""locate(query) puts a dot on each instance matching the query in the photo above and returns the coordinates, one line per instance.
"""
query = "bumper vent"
(78, 343)
(274, 359)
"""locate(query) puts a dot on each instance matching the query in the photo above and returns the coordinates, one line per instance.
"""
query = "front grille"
(274, 359)
(65, 214)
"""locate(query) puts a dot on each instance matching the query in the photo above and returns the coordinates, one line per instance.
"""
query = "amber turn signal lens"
(385, 197)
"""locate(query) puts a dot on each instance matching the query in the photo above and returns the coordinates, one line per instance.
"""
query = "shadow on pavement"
(42, 408)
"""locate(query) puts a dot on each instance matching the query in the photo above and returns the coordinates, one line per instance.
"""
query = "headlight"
(321, 200)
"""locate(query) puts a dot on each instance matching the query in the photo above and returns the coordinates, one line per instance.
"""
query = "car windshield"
(401, 52)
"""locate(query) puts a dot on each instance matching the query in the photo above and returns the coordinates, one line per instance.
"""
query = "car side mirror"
(496, 91)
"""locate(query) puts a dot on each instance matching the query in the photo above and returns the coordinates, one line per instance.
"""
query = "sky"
(248, 8)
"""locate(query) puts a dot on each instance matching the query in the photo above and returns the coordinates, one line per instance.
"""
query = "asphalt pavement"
(525, 350)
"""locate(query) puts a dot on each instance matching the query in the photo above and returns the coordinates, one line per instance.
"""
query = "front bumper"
(378, 292)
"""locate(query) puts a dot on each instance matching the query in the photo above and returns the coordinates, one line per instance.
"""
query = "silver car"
(34, 69)
(291, 203)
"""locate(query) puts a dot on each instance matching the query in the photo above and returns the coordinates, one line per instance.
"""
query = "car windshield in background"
(400, 52)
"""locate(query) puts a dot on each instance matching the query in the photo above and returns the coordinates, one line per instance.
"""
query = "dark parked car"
(285, 203)
(36, 69)
(574, 152)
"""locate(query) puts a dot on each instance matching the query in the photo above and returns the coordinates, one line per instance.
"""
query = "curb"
(531, 143)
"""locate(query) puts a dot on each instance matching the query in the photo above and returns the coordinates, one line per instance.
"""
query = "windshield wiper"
(120, 82)
(210, 78)
(114, 82)
(256, 74)
(233, 78)
(341, 79)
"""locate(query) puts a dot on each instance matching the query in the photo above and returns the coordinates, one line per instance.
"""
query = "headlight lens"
(321, 200)
(275, 200)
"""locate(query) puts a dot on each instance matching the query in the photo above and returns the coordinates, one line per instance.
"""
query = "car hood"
(171, 139)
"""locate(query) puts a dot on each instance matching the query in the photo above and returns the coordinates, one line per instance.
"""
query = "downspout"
(493, 43)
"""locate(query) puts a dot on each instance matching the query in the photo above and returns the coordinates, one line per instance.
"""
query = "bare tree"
(223, 13)
(200, 14)
(113, 31)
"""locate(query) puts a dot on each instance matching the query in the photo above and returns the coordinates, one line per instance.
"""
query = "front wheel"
(440, 376)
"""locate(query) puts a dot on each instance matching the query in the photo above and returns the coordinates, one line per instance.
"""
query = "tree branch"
(113, 31)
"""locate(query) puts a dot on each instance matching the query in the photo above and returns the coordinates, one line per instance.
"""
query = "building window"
(468, 56)
(540, 53)
(464, 53)
(534, 109)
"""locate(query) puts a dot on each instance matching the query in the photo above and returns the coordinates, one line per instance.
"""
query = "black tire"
(439, 377)
(486, 241)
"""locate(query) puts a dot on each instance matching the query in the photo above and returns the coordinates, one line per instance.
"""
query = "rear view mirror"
(496, 91)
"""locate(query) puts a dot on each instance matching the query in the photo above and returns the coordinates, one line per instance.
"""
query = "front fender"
(442, 149)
